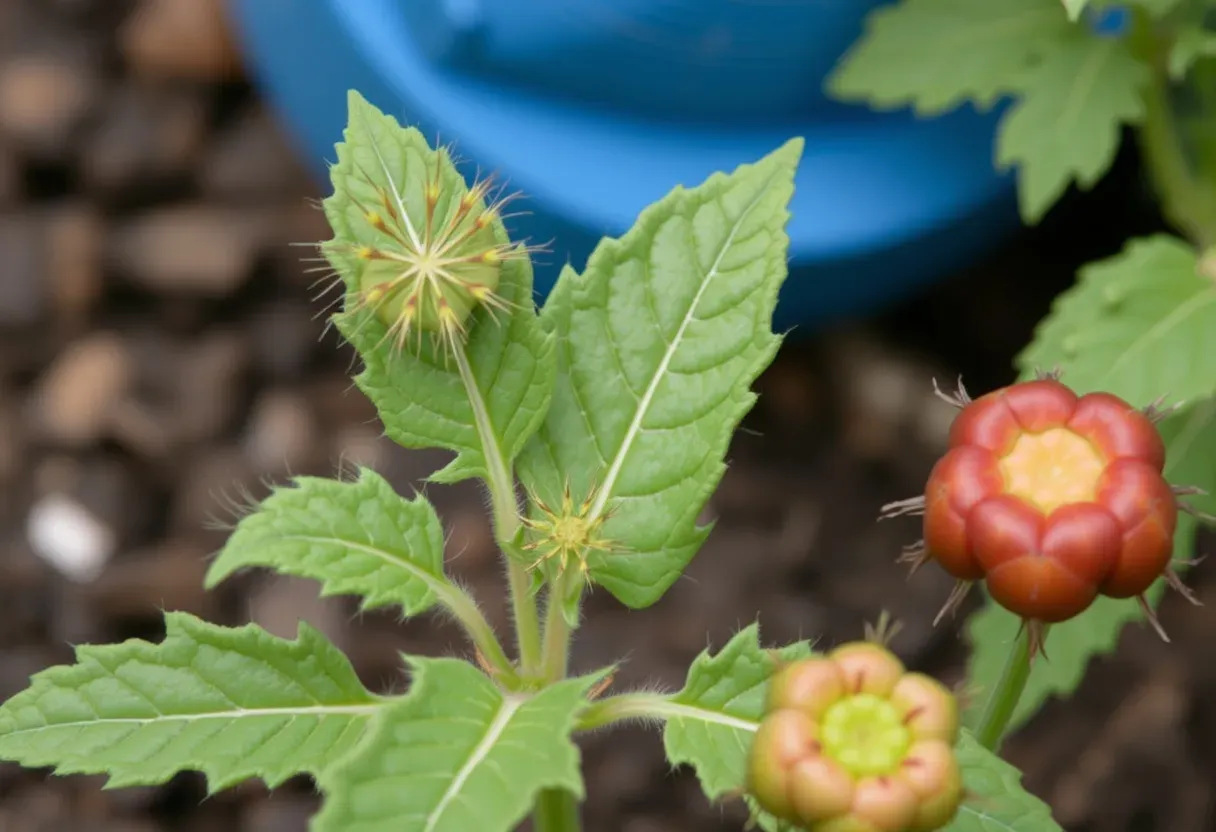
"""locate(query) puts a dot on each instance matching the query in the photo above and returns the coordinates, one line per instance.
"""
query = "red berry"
(1051, 499)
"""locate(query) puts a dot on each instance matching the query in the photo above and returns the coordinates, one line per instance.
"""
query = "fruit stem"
(556, 810)
(507, 523)
(1003, 702)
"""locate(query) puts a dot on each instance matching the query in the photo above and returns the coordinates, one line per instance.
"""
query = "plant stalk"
(1187, 200)
(556, 648)
(506, 522)
(1003, 702)
(523, 611)
(556, 810)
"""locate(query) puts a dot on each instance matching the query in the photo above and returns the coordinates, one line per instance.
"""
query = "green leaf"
(357, 538)
(1067, 123)
(1192, 43)
(710, 723)
(420, 396)
(1140, 325)
(231, 703)
(1156, 8)
(935, 55)
(1074, 8)
(1191, 439)
(996, 801)
(659, 341)
(456, 754)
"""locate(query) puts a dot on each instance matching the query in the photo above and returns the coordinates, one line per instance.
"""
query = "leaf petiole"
(599, 714)
(506, 520)
(465, 610)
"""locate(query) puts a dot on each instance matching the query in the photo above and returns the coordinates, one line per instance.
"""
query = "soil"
(159, 349)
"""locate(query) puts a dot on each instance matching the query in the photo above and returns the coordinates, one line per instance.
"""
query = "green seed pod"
(420, 248)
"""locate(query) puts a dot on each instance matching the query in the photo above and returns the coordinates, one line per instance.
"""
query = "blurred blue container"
(596, 108)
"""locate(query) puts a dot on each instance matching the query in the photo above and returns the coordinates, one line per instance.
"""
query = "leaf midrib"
(435, 583)
(477, 756)
(1083, 84)
(1203, 297)
(635, 426)
(365, 709)
(679, 710)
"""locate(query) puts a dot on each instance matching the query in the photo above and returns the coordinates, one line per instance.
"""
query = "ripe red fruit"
(1051, 499)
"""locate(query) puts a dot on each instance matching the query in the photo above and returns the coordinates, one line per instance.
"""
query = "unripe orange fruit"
(851, 742)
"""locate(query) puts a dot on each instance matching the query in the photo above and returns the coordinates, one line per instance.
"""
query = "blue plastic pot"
(596, 108)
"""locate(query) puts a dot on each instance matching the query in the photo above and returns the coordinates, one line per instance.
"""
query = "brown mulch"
(158, 349)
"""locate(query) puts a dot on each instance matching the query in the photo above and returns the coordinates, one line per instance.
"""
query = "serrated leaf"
(456, 754)
(1068, 120)
(1191, 440)
(1074, 8)
(996, 800)
(659, 342)
(231, 703)
(1140, 325)
(1192, 43)
(709, 724)
(419, 395)
(356, 538)
(1157, 8)
(935, 55)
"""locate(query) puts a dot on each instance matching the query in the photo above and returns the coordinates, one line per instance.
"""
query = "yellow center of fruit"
(866, 735)
(1052, 469)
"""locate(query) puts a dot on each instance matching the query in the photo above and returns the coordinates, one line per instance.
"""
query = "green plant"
(612, 407)
(1138, 325)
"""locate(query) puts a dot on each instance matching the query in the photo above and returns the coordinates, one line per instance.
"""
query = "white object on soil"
(70, 538)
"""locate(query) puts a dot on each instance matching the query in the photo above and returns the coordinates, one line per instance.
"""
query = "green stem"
(506, 521)
(527, 621)
(556, 810)
(1187, 201)
(1000, 707)
(556, 649)
(620, 707)
(466, 611)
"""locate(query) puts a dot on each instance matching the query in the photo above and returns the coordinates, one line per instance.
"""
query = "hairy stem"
(556, 810)
(506, 520)
(621, 707)
(1187, 200)
(556, 648)
(1003, 701)
(466, 611)
(523, 610)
